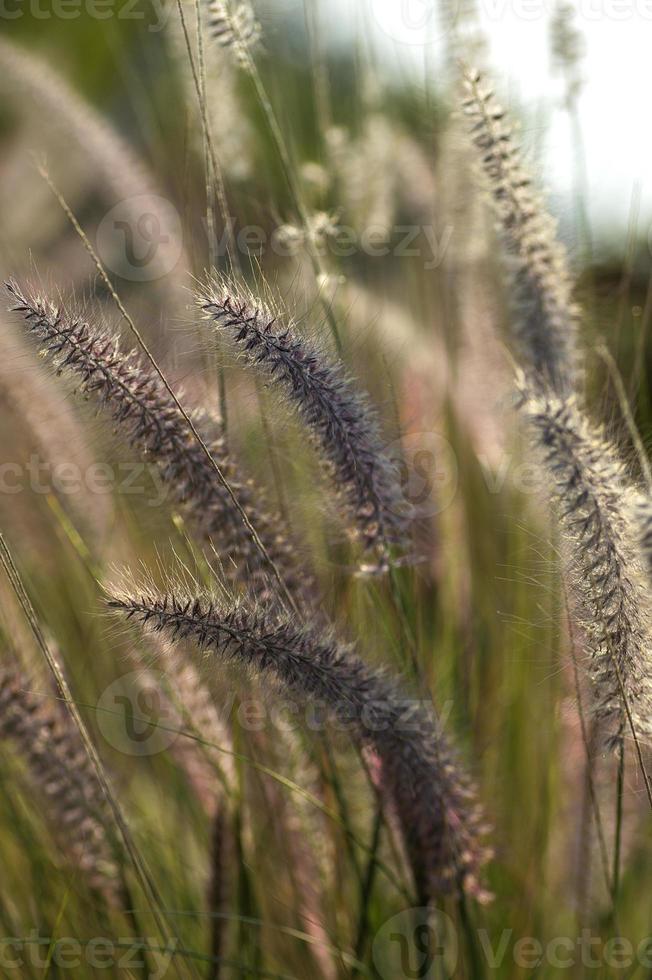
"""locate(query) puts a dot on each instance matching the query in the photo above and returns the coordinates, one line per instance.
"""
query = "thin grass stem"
(618, 833)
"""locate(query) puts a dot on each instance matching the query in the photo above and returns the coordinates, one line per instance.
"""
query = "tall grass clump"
(136, 398)
(263, 761)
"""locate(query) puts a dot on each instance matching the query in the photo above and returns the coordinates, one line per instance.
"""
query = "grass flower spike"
(546, 317)
(59, 768)
(441, 824)
(234, 26)
(139, 402)
(328, 402)
(603, 557)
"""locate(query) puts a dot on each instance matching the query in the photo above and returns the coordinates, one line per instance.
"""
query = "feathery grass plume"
(546, 317)
(234, 26)
(567, 49)
(225, 112)
(603, 558)
(320, 228)
(137, 399)
(60, 770)
(440, 822)
(339, 416)
(195, 709)
(121, 171)
(383, 176)
(365, 170)
(44, 426)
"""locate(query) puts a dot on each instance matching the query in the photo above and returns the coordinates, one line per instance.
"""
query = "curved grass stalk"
(441, 824)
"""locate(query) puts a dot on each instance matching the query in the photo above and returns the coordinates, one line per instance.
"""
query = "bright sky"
(614, 105)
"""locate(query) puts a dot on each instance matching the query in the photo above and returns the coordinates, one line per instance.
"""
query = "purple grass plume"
(43, 735)
(441, 823)
(338, 415)
(134, 395)
(603, 557)
(546, 318)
